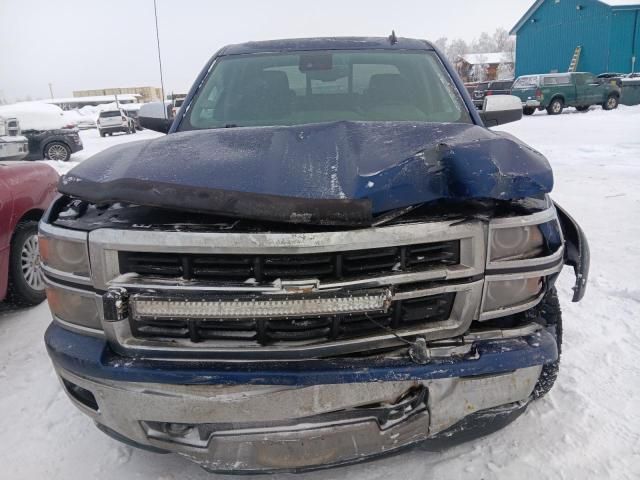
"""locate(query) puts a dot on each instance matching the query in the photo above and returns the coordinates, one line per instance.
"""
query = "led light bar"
(257, 308)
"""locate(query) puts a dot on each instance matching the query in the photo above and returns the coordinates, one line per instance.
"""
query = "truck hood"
(338, 173)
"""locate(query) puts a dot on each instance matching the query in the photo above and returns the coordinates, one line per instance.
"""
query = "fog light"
(256, 308)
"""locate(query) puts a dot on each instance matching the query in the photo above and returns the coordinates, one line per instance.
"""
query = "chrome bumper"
(250, 428)
(531, 103)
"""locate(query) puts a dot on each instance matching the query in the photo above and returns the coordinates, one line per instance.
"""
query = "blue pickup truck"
(329, 257)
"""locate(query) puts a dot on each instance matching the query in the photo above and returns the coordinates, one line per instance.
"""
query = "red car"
(26, 190)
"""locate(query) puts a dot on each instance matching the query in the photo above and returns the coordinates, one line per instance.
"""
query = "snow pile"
(588, 427)
(36, 115)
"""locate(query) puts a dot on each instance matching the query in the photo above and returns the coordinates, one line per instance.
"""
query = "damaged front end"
(294, 298)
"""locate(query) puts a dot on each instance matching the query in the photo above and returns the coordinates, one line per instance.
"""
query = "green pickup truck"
(555, 91)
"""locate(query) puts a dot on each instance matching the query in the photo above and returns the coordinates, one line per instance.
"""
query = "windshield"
(526, 82)
(314, 87)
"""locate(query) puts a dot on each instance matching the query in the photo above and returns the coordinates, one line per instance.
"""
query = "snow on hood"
(330, 173)
(36, 115)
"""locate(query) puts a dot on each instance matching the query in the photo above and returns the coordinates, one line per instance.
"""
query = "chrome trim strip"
(515, 276)
(78, 328)
(69, 277)
(529, 262)
(178, 284)
(62, 233)
(525, 220)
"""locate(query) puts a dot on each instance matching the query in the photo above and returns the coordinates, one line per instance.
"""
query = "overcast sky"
(86, 44)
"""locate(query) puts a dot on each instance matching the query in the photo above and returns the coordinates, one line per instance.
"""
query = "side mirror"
(501, 109)
(155, 116)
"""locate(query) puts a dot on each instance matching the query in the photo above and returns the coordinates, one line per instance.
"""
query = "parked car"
(26, 190)
(329, 257)
(478, 93)
(131, 110)
(555, 91)
(494, 87)
(13, 146)
(112, 121)
(49, 133)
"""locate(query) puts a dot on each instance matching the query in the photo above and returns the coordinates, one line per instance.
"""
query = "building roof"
(95, 98)
(616, 4)
(486, 58)
(328, 43)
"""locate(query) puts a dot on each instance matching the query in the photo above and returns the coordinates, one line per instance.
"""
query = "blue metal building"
(607, 30)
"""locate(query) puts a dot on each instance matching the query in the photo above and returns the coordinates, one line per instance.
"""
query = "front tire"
(57, 151)
(555, 107)
(611, 103)
(26, 280)
(550, 316)
(528, 110)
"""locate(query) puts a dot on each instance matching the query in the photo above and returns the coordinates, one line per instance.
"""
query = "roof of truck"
(326, 43)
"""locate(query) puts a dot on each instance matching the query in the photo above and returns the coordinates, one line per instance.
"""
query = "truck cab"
(329, 257)
(553, 92)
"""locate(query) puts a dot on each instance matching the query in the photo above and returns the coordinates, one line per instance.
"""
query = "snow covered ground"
(588, 427)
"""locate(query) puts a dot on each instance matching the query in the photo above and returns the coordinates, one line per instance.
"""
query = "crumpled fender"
(336, 173)
(577, 254)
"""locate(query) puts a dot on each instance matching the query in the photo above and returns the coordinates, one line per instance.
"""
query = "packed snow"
(588, 427)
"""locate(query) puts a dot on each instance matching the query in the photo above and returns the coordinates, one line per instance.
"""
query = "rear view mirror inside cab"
(315, 61)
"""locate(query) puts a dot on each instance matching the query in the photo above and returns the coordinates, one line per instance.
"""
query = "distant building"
(147, 94)
(71, 103)
(480, 67)
(607, 32)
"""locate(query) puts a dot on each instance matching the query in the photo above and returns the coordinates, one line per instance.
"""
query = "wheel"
(26, 281)
(583, 108)
(555, 107)
(611, 103)
(528, 110)
(550, 316)
(57, 151)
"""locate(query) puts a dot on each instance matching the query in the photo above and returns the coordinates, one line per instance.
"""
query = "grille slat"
(407, 313)
(334, 266)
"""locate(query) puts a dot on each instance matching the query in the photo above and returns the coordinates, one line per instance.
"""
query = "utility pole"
(51, 90)
(155, 12)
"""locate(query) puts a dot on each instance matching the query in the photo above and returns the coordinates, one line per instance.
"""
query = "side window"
(581, 80)
(550, 80)
(589, 79)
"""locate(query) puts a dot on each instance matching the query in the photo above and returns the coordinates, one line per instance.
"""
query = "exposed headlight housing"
(510, 293)
(515, 243)
(74, 306)
(68, 256)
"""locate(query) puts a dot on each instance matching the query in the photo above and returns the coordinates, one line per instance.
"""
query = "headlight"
(502, 294)
(74, 306)
(516, 243)
(65, 255)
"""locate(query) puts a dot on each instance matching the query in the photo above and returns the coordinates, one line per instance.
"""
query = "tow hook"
(418, 352)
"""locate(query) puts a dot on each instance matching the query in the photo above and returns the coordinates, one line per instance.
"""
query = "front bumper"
(274, 416)
(13, 147)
